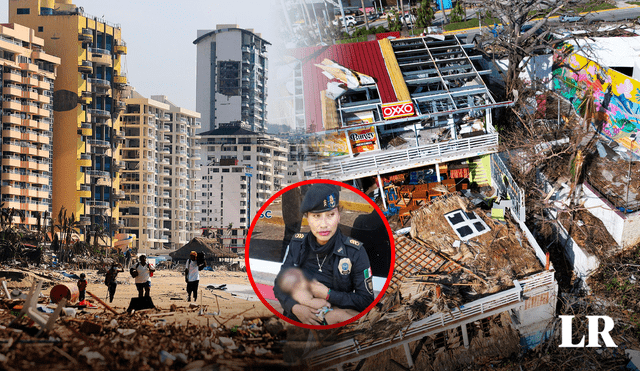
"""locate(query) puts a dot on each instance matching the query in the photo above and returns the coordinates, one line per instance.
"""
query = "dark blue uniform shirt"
(346, 271)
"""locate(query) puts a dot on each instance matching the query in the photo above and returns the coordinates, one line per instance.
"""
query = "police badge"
(344, 265)
(332, 201)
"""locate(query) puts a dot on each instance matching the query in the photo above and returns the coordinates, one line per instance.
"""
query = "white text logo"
(593, 321)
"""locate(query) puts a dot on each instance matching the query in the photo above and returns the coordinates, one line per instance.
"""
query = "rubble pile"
(496, 257)
(616, 179)
(589, 232)
(435, 274)
(144, 340)
(616, 280)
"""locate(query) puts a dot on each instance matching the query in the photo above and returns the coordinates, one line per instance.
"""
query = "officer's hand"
(305, 314)
(318, 290)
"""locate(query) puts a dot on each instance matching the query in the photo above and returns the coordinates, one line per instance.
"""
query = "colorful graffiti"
(599, 92)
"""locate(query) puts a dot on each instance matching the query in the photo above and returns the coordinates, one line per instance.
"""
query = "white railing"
(390, 161)
(348, 350)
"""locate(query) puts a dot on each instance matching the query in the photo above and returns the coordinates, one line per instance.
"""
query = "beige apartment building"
(89, 86)
(27, 76)
(158, 178)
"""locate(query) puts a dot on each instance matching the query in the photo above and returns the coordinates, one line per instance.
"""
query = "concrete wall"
(535, 324)
(582, 262)
(203, 76)
(625, 229)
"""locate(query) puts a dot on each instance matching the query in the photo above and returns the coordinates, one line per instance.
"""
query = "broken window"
(466, 224)
(229, 78)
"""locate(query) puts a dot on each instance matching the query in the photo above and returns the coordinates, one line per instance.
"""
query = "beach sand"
(168, 288)
(234, 330)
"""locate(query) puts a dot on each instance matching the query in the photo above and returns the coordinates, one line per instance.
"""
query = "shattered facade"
(231, 77)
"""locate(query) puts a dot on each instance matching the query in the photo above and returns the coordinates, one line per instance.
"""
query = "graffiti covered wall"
(601, 93)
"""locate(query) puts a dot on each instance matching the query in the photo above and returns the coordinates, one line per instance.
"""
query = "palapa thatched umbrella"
(208, 246)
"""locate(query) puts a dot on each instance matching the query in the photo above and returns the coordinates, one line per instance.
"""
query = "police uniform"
(347, 270)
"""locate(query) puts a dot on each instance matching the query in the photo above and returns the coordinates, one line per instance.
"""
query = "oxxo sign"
(266, 214)
(397, 109)
(567, 342)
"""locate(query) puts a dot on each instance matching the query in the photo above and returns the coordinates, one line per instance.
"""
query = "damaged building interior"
(469, 276)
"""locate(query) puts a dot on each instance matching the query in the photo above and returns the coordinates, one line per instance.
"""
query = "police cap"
(320, 197)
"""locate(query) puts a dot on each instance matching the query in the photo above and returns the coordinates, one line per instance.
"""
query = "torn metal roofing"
(437, 76)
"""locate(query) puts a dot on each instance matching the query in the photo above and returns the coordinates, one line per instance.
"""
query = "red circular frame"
(375, 301)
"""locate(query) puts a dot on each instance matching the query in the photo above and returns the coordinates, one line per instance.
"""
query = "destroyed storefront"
(386, 106)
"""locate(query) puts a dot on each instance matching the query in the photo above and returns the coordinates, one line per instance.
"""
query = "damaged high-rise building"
(231, 81)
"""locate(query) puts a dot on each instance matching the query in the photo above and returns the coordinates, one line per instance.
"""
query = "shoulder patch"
(353, 243)
(298, 236)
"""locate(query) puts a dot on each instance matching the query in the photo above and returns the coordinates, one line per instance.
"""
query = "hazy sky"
(161, 56)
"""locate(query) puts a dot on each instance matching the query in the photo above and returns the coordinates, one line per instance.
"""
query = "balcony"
(85, 97)
(120, 105)
(119, 165)
(100, 56)
(85, 66)
(100, 83)
(85, 129)
(119, 136)
(98, 173)
(120, 47)
(99, 113)
(85, 220)
(119, 195)
(99, 143)
(400, 160)
(98, 204)
(86, 36)
(120, 80)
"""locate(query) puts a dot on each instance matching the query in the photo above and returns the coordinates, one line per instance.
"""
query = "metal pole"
(366, 19)
(316, 17)
(382, 196)
(628, 181)
(344, 23)
(286, 16)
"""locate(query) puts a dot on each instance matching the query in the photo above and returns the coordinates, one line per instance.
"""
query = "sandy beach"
(229, 328)
(168, 288)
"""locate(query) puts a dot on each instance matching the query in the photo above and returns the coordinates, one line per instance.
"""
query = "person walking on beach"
(82, 287)
(127, 258)
(142, 280)
(192, 275)
(110, 280)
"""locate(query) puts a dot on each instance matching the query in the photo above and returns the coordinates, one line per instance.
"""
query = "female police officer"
(337, 266)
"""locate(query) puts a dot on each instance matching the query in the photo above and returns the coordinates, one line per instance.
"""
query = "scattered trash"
(89, 327)
(70, 312)
(227, 342)
(214, 287)
(166, 357)
(126, 331)
(91, 355)
(182, 358)
(44, 309)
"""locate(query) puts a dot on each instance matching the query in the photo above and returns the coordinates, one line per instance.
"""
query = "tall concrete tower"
(231, 77)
